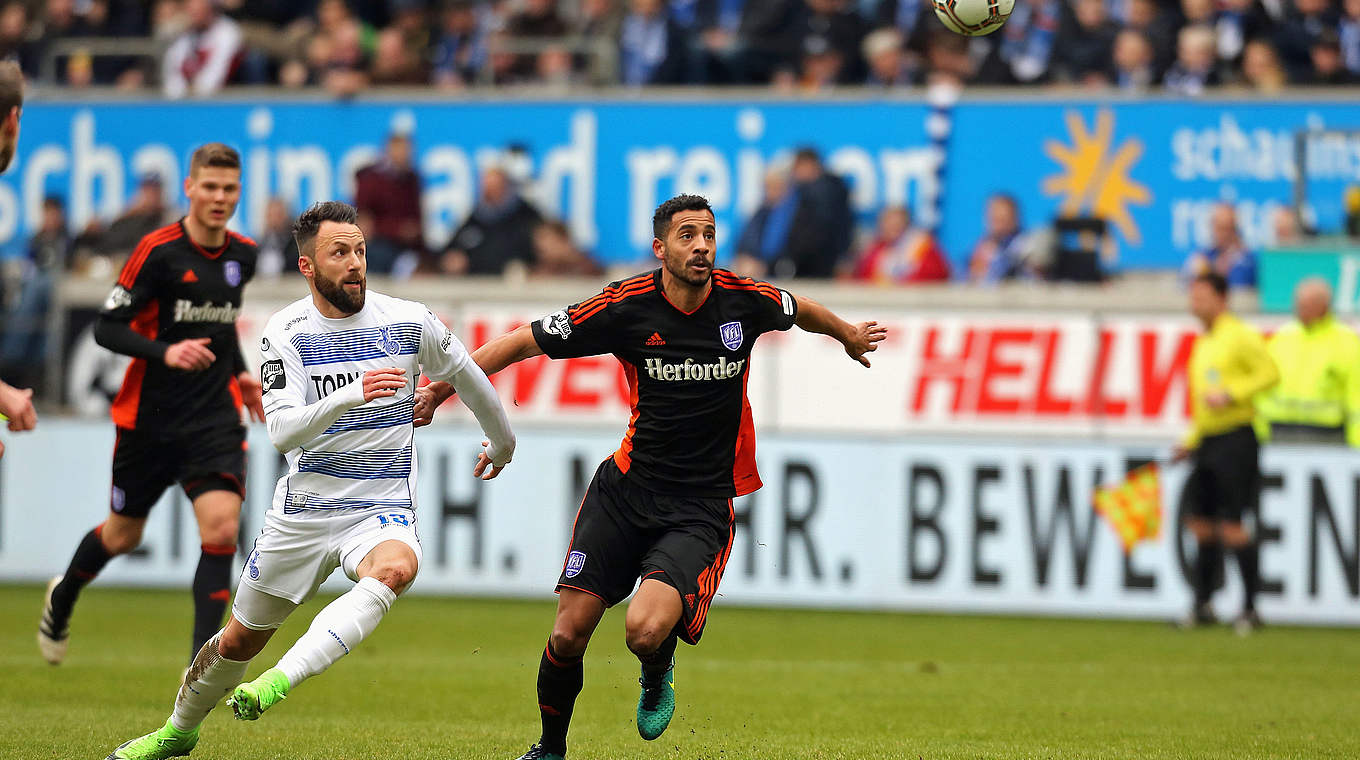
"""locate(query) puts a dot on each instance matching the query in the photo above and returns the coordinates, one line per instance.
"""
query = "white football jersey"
(366, 459)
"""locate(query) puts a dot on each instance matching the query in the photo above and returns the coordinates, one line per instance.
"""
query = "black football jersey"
(172, 289)
(691, 431)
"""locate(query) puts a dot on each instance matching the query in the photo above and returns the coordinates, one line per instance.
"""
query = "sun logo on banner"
(1095, 181)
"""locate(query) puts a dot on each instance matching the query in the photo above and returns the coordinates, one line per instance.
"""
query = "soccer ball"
(973, 17)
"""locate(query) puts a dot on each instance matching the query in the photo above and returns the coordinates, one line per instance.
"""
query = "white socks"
(337, 629)
(210, 678)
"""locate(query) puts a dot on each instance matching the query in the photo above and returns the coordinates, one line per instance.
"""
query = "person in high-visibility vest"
(1229, 367)
(1318, 397)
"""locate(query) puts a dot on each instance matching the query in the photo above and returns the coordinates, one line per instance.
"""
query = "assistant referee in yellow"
(1318, 397)
(1229, 366)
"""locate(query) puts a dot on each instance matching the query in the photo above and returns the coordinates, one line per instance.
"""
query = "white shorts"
(292, 557)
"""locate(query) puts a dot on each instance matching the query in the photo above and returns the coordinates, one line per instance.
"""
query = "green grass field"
(454, 678)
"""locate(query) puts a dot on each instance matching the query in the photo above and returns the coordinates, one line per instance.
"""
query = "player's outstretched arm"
(498, 353)
(858, 340)
(17, 407)
(479, 396)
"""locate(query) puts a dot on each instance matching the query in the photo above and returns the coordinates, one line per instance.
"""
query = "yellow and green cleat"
(250, 700)
(157, 745)
(656, 704)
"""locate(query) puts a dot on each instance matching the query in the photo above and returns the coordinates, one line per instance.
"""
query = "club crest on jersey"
(576, 562)
(386, 343)
(730, 333)
(232, 271)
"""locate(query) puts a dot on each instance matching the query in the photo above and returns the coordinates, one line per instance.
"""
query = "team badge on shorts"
(232, 271)
(251, 568)
(731, 335)
(576, 561)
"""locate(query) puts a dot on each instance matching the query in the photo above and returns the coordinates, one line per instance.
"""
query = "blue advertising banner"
(1152, 168)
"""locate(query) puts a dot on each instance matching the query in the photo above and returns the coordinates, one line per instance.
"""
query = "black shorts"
(624, 533)
(146, 463)
(1225, 482)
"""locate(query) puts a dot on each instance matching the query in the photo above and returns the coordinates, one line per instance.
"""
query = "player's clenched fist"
(384, 382)
(190, 355)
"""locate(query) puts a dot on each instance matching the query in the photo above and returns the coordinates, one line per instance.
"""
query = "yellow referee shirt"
(1230, 357)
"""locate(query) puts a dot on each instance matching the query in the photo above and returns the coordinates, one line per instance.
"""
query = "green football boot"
(656, 704)
(157, 745)
(250, 700)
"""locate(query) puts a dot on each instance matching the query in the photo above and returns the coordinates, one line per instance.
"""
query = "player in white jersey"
(339, 379)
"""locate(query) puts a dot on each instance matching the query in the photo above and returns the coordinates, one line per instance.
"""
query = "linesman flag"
(1133, 507)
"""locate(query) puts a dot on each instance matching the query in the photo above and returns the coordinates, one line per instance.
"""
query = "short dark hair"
(309, 223)
(11, 87)
(1214, 280)
(216, 154)
(661, 220)
(807, 153)
(54, 201)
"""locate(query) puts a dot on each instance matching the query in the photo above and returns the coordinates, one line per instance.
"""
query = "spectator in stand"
(497, 232)
(1084, 51)
(146, 212)
(394, 62)
(25, 322)
(1022, 51)
(536, 20)
(339, 60)
(1158, 26)
(1227, 254)
(15, 43)
(1134, 64)
(763, 46)
(1196, 66)
(947, 59)
(602, 20)
(1348, 35)
(1295, 37)
(914, 20)
(201, 60)
(651, 50)
(824, 222)
(1000, 254)
(278, 250)
(1261, 67)
(1328, 66)
(1285, 226)
(460, 49)
(829, 34)
(717, 27)
(764, 239)
(889, 63)
(556, 256)
(900, 254)
(387, 196)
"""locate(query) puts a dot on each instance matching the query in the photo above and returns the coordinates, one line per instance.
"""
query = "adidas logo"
(656, 340)
(189, 276)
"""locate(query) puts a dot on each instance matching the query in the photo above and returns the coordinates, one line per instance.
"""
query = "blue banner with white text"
(1153, 169)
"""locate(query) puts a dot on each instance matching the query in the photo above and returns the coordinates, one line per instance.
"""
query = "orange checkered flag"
(1133, 507)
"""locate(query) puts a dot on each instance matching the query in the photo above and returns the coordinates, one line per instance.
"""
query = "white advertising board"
(874, 523)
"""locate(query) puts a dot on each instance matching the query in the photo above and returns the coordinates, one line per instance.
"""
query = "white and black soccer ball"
(973, 18)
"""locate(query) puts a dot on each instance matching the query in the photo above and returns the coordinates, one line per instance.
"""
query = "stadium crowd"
(1185, 47)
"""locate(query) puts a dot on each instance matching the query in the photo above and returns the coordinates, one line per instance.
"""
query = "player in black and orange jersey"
(659, 508)
(178, 414)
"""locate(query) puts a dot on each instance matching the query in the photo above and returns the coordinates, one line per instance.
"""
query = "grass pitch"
(454, 678)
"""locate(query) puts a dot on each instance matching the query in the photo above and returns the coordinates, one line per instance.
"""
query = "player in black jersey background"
(178, 413)
(660, 508)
